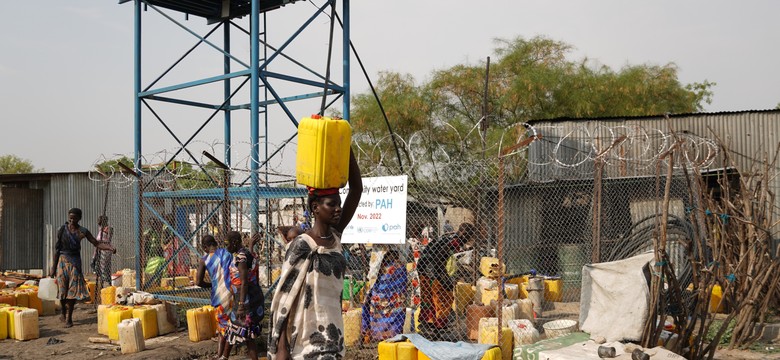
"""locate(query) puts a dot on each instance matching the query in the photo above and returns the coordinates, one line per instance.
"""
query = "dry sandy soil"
(75, 344)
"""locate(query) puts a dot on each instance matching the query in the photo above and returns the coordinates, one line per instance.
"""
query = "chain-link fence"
(556, 199)
(180, 203)
(544, 208)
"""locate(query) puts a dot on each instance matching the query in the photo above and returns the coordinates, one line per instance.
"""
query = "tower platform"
(216, 10)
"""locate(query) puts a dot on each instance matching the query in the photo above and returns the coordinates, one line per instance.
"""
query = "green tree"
(529, 79)
(405, 104)
(12, 164)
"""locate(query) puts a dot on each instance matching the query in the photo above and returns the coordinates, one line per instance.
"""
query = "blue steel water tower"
(262, 95)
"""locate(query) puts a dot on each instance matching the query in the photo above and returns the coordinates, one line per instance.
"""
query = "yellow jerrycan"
(322, 160)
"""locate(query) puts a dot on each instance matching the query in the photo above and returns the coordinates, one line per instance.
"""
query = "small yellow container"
(489, 335)
(489, 295)
(131, 338)
(148, 317)
(352, 320)
(417, 319)
(464, 295)
(3, 325)
(397, 351)
(214, 320)
(520, 282)
(25, 324)
(10, 323)
(174, 282)
(91, 289)
(717, 304)
(276, 272)
(492, 354)
(552, 290)
(406, 351)
(164, 326)
(108, 295)
(9, 299)
(102, 317)
(387, 350)
(199, 324)
(34, 302)
(22, 299)
(115, 316)
(488, 266)
(322, 160)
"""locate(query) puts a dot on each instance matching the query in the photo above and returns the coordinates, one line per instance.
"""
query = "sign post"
(381, 214)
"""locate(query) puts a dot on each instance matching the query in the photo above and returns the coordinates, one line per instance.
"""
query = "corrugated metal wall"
(34, 210)
(67, 191)
(22, 221)
(749, 135)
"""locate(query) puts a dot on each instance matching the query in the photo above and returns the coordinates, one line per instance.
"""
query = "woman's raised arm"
(353, 196)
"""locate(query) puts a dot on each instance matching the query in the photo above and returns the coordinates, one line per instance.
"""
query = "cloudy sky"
(66, 70)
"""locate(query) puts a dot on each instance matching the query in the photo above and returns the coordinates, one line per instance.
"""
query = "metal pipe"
(500, 250)
(254, 116)
(269, 247)
(226, 60)
(137, 140)
(228, 141)
(345, 51)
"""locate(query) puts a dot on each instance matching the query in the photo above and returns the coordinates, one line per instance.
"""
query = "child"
(217, 262)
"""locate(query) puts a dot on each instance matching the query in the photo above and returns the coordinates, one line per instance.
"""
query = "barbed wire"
(186, 170)
(430, 152)
(574, 148)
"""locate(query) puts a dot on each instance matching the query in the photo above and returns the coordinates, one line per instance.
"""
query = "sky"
(66, 67)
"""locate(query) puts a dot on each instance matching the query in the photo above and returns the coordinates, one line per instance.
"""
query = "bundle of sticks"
(733, 248)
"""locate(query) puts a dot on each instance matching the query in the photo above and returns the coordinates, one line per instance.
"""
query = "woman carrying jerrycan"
(306, 319)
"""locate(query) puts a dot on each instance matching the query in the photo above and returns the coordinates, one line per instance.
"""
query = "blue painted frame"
(254, 72)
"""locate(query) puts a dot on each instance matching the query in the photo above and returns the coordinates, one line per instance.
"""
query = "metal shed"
(33, 206)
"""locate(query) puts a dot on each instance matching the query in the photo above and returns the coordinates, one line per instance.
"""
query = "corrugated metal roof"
(661, 116)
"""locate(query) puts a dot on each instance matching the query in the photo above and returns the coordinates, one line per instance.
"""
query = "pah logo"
(388, 227)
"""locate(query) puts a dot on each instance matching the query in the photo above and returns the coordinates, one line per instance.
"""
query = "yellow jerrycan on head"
(322, 161)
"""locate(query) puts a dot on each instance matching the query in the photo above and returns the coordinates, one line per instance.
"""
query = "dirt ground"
(75, 344)
(177, 346)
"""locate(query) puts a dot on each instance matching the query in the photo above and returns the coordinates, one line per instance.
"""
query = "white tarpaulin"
(615, 298)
